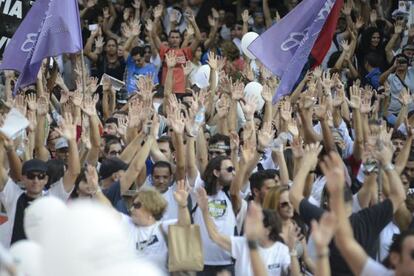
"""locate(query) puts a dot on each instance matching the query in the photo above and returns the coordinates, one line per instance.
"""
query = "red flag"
(323, 43)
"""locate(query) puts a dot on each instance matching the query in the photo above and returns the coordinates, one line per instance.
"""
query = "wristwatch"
(389, 167)
(252, 244)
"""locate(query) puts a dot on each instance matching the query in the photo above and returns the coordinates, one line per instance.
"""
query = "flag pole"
(83, 72)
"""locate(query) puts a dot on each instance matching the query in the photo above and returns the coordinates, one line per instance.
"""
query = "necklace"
(142, 245)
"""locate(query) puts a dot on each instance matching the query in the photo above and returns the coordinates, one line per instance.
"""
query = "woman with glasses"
(278, 199)
(145, 228)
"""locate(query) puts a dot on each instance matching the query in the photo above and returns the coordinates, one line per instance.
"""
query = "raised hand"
(398, 27)
(31, 102)
(31, 117)
(20, 104)
(158, 11)
(265, 136)
(136, 4)
(149, 25)
(249, 106)
(106, 13)
(187, 67)
(181, 193)
(106, 84)
(92, 179)
(355, 100)
(67, 127)
(212, 60)
(89, 105)
(310, 155)
(321, 109)
(222, 107)
(333, 169)
(202, 199)
(245, 16)
(405, 98)
(99, 42)
(42, 105)
(237, 91)
(324, 230)
(92, 85)
(267, 93)
(174, 16)
(175, 118)
(345, 45)
(77, 98)
(171, 59)
(286, 111)
(253, 224)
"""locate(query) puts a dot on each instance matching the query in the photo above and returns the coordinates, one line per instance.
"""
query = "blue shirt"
(373, 77)
(133, 72)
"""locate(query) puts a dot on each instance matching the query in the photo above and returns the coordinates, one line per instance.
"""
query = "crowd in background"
(159, 123)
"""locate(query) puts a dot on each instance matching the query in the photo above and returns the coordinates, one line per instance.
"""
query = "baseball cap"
(408, 46)
(61, 143)
(110, 166)
(122, 96)
(34, 165)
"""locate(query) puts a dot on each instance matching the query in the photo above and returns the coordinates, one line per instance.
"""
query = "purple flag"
(285, 47)
(19, 47)
(56, 30)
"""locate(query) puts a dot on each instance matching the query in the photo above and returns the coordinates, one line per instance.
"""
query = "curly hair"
(209, 178)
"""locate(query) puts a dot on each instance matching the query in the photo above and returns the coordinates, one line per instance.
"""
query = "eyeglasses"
(114, 152)
(229, 169)
(136, 205)
(39, 176)
(218, 153)
(284, 204)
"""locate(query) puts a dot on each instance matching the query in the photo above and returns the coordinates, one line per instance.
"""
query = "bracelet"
(389, 167)
(260, 151)
(252, 244)
(293, 253)
(183, 206)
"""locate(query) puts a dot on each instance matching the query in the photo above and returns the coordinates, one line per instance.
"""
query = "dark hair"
(138, 50)
(220, 138)
(401, 56)
(367, 36)
(81, 177)
(113, 39)
(258, 178)
(210, 180)
(110, 137)
(272, 220)
(333, 58)
(109, 143)
(372, 59)
(397, 245)
(398, 135)
(111, 120)
(176, 31)
(55, 171)
(166, 139)
(325, 196)
(161, 164)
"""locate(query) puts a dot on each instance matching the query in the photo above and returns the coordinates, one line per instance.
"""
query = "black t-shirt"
(367, 225)
(115, 70)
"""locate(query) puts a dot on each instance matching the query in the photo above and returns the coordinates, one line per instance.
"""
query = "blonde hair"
(272, 198)
(152, 201)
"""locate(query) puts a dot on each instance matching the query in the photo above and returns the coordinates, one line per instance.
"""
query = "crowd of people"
(319, 183)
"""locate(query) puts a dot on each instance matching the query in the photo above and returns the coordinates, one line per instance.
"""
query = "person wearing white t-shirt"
(161, 178)
(146, 230)
(273, 253)
(34, 178)
(217, 177)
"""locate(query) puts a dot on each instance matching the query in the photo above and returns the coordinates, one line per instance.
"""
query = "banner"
(12, 13)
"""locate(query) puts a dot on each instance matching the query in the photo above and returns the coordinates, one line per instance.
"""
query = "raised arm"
(349, 248)
(157, 14)
(180, 196)
(309, 162)
(3, 173)
(266, 13)
(197, 35)
(89, 109)
(67, 129)
(220, 239)
(136, 165)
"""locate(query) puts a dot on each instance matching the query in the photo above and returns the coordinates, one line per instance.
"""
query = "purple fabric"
(54, 29)
(285, 47)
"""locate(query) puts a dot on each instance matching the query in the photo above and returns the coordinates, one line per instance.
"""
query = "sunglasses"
(136, 205)
(39, 176)
(284, 204)
(229, 169)
(115, 152)
(220, 153)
